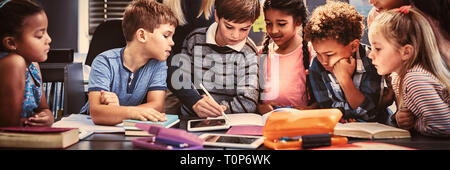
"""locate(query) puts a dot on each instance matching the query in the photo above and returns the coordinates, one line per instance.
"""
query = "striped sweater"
(426, 97)
(230, 76)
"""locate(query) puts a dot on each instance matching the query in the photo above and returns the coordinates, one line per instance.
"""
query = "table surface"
(118, 141)
(121, 142)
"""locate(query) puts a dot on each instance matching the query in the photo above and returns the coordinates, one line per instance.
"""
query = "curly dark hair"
(335, 20)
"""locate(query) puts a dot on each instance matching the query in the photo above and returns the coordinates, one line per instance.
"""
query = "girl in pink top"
(286, 57)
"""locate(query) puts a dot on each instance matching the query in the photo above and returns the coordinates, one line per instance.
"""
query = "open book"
(249, 123)
(244, 119)
(370, 130)
(86, 126)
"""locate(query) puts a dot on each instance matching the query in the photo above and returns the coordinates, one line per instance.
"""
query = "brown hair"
(238, 11)
(147, 14)
(335, 20)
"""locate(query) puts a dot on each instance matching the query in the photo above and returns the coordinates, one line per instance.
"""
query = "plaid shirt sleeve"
(370, 87)
(318, 86)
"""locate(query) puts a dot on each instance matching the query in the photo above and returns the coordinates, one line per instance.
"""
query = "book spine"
(58, 97)
(62, 97)
(127, 123)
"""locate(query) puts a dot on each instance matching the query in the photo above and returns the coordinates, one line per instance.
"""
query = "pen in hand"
(209, 95)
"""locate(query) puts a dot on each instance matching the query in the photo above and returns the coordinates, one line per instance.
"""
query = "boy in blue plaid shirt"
(341, 75)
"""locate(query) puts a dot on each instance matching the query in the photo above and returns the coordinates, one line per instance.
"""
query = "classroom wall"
(312, 4)
(62, 22)
(257, 34)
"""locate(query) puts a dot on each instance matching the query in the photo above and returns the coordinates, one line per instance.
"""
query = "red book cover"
(34, 129)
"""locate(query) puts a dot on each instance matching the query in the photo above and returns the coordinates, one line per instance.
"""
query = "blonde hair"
(175, 5)
(413, 29)
(206, 8)
(337, 21)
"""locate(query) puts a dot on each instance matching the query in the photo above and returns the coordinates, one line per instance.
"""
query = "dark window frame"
(103, 10)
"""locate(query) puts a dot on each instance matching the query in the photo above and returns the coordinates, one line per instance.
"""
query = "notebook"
(246, 130)
(131, 130)
(370, 130)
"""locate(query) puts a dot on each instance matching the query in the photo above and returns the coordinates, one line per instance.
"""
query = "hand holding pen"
(207, 106)
(209, 95)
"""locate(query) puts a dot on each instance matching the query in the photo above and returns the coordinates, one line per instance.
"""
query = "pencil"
(209, 95)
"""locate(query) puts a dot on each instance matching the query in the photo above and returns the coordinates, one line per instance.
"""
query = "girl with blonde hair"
(403, 42)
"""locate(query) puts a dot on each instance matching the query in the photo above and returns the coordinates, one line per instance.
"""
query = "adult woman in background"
(191, 14)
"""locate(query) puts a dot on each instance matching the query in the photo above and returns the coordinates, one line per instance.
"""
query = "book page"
(244, 119)
(372, 128)
(85, 123)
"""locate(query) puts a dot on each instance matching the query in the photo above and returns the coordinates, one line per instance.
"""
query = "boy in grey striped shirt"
(223, 59)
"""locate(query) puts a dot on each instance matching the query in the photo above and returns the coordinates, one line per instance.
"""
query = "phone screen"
(230, 139)
(207, 123)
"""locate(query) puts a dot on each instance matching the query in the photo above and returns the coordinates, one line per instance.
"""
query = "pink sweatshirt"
(285, 80)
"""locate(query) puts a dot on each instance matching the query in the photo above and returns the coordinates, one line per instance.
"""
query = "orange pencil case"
(292, 129)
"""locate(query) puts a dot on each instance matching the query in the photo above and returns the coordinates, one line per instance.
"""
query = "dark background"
(63, 22)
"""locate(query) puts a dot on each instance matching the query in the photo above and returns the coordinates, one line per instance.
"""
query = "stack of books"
(132, 130)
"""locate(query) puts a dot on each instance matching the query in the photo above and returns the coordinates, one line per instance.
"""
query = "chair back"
(107, 35)
(63, 87)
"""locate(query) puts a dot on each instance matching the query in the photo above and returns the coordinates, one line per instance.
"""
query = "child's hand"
(344, 68)
(147, 114)
(43, 118)
(109, 98)
(388, 96)
(264, 108)
(405, 119)
(304, 107)
(207, 107)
